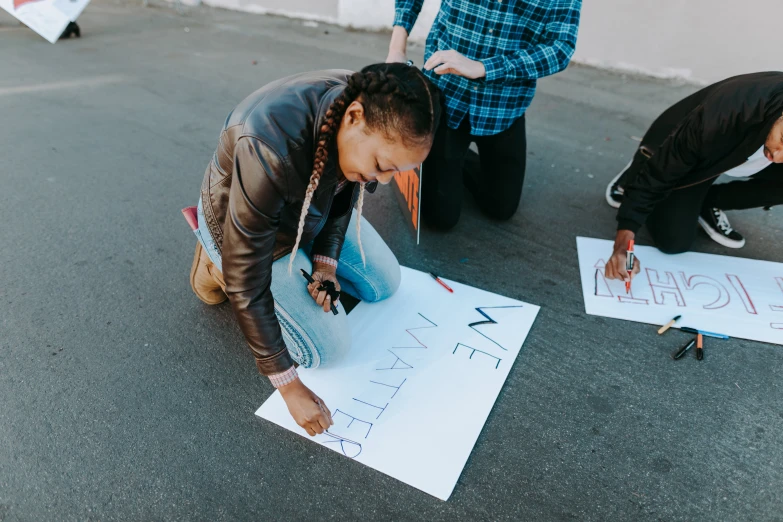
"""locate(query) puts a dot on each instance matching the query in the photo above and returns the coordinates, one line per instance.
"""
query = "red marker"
(629, 265)
(441, 283)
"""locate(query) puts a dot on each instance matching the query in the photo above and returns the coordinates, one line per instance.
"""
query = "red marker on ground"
(441, 283)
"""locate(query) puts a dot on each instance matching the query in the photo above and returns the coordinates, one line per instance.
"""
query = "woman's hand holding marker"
(615, 267)
(307, 409)
(321, 273)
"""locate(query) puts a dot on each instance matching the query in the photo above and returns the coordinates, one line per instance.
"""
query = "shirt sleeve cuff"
(628, 224)
(495, 68)
(324, 260)
(405, 19)
(279, 380)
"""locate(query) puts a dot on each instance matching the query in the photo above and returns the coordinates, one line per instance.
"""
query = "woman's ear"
(354, 114)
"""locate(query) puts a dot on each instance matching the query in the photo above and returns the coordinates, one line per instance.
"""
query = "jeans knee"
(392, 283)
(332, 345)
(312, 342)
(386, 283)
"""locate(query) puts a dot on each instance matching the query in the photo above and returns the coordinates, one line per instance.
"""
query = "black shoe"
(717, 226)
(71, 29)
(614, 191)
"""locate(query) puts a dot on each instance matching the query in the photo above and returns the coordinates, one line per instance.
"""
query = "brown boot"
(205, 279)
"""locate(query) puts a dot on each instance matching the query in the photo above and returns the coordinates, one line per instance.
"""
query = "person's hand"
(615, 268)
(323, 272)
(395, 56)
(451, 62)
(307, 409)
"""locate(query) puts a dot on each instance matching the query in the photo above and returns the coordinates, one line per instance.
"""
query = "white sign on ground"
(423, 373)
(729, 295)
(49, 18)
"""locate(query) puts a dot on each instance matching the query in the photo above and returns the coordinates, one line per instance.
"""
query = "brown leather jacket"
(252, 196)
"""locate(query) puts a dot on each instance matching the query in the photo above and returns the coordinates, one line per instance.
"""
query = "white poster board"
(423, 373)
(49, 18)
(728, 295)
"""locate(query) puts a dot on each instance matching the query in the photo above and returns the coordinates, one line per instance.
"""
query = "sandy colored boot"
(205, 279)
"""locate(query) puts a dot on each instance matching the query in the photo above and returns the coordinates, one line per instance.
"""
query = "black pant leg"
(441, 202)
(765, 189)
(503, 160)
(673, 223)
(633, 169)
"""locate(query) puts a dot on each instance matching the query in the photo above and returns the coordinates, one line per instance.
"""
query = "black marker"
(684, 349)
(329, 291)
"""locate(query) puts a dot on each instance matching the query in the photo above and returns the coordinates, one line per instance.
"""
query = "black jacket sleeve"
(329, 241)
(677, 155)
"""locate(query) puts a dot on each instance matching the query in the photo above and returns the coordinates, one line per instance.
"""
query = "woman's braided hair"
(398, 100)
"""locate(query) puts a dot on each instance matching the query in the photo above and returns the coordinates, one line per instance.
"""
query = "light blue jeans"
(313, 337)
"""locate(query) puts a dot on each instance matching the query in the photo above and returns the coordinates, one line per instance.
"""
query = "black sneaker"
(614, 192)
(717, 226)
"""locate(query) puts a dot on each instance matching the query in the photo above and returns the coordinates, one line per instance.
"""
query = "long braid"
(332, 119)
(387, 96)
(359, 205)
(329, 127)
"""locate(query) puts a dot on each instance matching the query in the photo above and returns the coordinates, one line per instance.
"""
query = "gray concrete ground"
(124, 398)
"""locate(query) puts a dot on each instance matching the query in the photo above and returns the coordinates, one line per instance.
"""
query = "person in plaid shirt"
(485, 56)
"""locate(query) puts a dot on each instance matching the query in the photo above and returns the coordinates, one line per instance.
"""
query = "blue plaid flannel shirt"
(518, 41)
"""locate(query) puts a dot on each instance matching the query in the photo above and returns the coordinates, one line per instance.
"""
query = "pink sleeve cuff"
(324, 260)
(281, 379)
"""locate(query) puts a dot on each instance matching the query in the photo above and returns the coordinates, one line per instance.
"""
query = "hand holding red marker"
(629, 260)
(623, 263)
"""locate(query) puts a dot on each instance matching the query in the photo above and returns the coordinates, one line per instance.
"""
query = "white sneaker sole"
(608, 193)
(720, 238)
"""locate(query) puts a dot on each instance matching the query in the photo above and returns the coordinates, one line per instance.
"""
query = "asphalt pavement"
(122, 397)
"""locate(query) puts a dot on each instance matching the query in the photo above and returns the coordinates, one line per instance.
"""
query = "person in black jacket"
(733, 127)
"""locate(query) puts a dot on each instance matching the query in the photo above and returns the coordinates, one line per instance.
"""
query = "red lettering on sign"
(778, 308)
(660, 289)
(743, 294)
(601, 284)
(692, 282)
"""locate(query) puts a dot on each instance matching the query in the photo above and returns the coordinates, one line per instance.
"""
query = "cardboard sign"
(49, 18)
(424, 370)
(407, 187)
(728, 295)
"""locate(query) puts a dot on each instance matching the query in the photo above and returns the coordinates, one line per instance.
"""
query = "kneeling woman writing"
(293, 160)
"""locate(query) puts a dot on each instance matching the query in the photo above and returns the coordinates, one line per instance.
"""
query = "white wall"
(699, 40)
(379, 14)
(322, 10)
